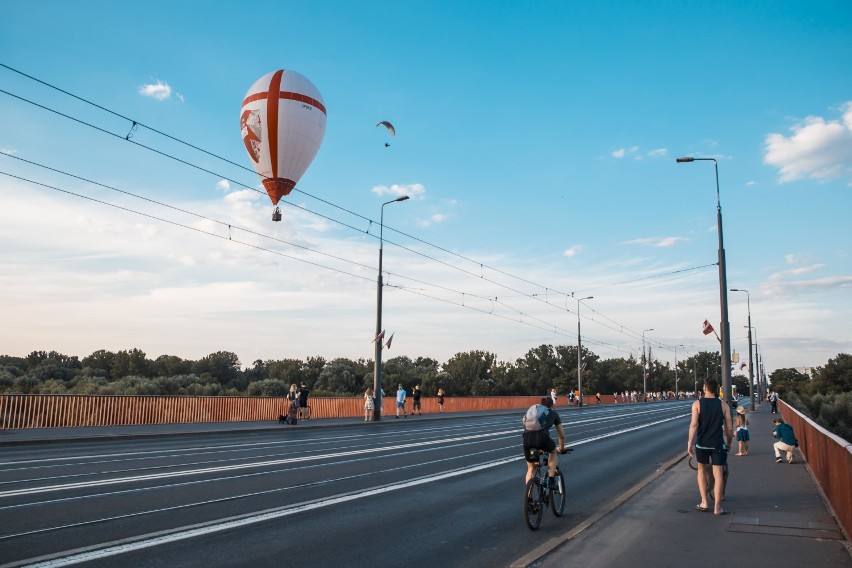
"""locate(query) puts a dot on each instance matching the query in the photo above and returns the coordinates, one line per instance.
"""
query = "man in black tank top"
(710, 435)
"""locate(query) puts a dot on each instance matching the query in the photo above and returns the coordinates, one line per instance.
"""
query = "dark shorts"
(713, 456)
(539, 440)
(742, 436)
(416, 404)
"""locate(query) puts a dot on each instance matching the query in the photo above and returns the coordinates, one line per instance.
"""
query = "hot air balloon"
(282, 122)
(390, 128)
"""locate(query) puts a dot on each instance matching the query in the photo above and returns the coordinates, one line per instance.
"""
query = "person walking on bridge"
(709, 430)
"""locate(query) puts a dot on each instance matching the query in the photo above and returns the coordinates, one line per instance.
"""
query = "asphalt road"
(400, 492)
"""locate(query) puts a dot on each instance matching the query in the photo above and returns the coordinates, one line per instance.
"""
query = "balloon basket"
(276, 215)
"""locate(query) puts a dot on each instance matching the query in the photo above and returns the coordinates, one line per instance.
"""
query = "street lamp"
(579, 353)
(377, 370)
(761, 388)
(750, 352)
(644, 363)
(723, 286)
(675, 350)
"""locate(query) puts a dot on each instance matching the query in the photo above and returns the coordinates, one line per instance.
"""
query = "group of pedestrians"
(401, 398)
(711, 432)
(710, 435)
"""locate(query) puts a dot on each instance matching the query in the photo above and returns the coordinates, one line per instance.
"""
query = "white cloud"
(159, 90)
(573, 250)
(412, 190)
(223, 185)
(818, 149)
(8, 151)
(436, 218)
(659, 242)
(635, 152)
(751, 183)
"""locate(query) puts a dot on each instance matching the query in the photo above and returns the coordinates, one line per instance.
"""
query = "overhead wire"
(482, 266)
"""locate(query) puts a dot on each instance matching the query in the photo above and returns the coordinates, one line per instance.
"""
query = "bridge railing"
(830, 459)
(19, 411)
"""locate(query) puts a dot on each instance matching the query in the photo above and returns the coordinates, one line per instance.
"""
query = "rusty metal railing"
(19, 411)
(830, 460)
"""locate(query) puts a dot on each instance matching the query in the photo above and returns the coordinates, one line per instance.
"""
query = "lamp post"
(750, 353)
(644, 363)
(580, 353)
(761, 388)
(377, 369)
(675, 350)
(723, 287)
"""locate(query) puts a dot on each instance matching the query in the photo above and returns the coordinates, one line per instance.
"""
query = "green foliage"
(833, 411)
(269, 387)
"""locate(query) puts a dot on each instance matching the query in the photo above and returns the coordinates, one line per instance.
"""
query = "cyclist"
(540, 440)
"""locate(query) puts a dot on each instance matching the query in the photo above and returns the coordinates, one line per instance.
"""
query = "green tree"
(470, 373)
(835, 376)
(224, 368)
(102, 360)
(787, 381)
(269, 387)
(133, 362)
(341, 377)
(170, 365)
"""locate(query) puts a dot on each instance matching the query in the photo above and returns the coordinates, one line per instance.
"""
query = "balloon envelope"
(282, 122)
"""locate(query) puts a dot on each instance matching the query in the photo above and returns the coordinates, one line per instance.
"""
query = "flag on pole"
(708, 329)
(388, 344)
(379, 337)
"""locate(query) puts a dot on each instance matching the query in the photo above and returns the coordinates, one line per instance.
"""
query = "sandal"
(702, 509)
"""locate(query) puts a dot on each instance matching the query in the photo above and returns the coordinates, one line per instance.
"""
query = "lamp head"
(401, 198)
(685, 159)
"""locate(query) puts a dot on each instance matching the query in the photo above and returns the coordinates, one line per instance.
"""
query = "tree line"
(826, 397)
(471, 373)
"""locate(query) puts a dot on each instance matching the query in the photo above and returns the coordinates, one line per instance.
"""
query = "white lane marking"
(266, 463)
(183, 533)
(247, 446)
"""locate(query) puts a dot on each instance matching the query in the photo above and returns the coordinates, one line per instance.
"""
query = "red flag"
(708, 329)
(389, 341)
(379, 337)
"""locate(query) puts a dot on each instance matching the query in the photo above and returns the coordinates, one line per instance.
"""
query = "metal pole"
(723, 288)
(760, 391)
(644, 363)
(750, 355)
(377, 369)
(579, 353)
(675, 349)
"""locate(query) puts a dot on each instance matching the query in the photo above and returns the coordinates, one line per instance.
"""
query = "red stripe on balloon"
(290, 96)
(272, 120)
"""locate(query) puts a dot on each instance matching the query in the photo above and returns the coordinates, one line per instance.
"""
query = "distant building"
(809, 371)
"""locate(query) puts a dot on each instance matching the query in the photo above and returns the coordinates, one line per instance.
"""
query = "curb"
(551, 545)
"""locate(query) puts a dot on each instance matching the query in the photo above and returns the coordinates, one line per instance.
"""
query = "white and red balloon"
(282, 122)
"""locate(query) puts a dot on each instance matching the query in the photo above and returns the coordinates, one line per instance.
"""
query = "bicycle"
(539, 495)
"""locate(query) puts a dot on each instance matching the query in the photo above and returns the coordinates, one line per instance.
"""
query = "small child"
(742, 432)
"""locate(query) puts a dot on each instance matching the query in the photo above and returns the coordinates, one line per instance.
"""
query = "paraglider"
(390, 128)
(282, 121)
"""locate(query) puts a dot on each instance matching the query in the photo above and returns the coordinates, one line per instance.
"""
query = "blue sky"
(536, 139)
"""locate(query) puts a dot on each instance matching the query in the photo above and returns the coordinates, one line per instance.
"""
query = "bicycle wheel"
(533, 505)
(558, 496)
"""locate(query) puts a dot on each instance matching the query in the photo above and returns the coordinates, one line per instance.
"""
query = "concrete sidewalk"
(776, 517)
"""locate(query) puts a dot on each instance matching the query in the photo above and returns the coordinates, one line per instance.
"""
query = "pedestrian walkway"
(775, 518)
